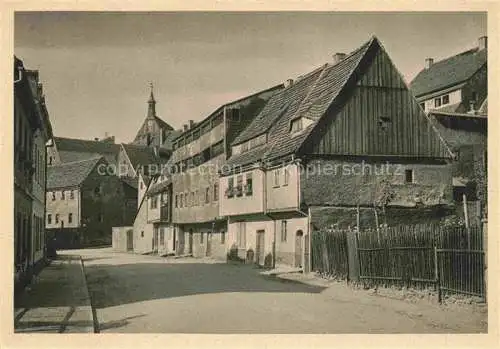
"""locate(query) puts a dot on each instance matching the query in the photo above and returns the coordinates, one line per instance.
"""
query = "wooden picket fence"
(450, 259)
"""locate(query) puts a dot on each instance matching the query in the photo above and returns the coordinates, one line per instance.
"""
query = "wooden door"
(298, 248)
(209, 244)
(130, 240)
(155, 239)
(191, 242)
(259, 248)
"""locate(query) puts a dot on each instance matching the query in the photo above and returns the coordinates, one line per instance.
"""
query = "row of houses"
(92, 185)
(348, 143)
(32, 130)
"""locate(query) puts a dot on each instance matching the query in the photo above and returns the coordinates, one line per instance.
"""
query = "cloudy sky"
(96, 67)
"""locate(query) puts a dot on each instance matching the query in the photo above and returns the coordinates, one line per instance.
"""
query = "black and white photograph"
(223, 172)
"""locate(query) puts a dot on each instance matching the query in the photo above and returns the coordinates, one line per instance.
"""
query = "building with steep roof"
(347, 137)
(84, 201)
(455, 84)
(65, 149)
(32, 130)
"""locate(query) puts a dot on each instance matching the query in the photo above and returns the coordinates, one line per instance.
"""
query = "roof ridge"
(77, 161)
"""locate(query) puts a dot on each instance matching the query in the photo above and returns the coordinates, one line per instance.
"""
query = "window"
(70, 218)
(53, 196)
(176, 201)
(277, 178)
(285, 176)
(62, 195)
(296, 125)
(437, 102)
(97, 190)
(222, 237)
(202, 237)
(409, 176)
(218, 120)
(207, 195)
(241, 235)
(235, 114)
(154, 201)
(230, 187)
(248, 186)
(216, 191)
(49, 219)
(283, 231)
(445, 99)
(57, 218)
(71, 194)
(384, 122)
(239, 185)
(142, 233)
(244, 147)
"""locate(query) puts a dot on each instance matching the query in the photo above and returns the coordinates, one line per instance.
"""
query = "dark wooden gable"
(377, 116)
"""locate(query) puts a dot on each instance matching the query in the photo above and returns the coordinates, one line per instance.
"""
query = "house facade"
(32, 130)
(456, 84)
(82, 204)
(454, 93)
(198, 153)
(348, 137)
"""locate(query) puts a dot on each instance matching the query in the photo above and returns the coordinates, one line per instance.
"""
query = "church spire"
(151, 103)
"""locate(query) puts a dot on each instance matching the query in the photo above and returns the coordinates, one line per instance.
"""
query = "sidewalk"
(57, 301)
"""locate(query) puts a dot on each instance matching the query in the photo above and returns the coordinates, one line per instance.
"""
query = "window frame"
(409, 173)
(284, 230)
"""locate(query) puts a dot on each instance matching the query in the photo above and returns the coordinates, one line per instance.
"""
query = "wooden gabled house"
(345, 138)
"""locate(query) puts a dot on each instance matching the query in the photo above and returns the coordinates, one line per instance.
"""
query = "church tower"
(154, 130)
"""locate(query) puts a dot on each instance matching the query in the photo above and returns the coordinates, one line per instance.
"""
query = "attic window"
(296, 125)
(437, 102)
(445, 99)
(384, 122)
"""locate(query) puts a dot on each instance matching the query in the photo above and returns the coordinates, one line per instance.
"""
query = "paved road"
(148, 294)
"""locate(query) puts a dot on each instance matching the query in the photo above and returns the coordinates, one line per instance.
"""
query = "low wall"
(120, 238)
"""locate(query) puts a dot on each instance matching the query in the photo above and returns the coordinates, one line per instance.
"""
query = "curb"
(91, 310)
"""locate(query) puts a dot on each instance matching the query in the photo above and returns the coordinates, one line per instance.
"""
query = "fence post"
(436, 267)
(352, 255)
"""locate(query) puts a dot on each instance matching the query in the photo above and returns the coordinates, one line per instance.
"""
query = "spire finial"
(151, 102)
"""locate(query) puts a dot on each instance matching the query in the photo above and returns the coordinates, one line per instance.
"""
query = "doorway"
(209, 243)
(155, 239)
(259, 247)
(299, 247)
(190, 241)
(130, 240)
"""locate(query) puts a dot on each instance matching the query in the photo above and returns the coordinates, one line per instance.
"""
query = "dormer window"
(445, 99)
(437, 102)
(296, 125)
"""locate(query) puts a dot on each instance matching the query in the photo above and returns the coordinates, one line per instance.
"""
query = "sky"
(96, 67)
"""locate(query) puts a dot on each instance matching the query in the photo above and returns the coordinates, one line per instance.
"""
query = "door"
(209, 243)
(259, 248)
(155, 240)
(130, 240)
(298, 248)
(190, 242)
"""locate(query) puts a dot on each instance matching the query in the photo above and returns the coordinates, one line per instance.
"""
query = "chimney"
(338, 57)
(472, 107)
(483, 43)
(185, 127)
(191, 124)
(429, 62)
(288, 82)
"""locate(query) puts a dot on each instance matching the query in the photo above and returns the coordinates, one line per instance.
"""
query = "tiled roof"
(70, 174)
(308, 97)
(448, 72)
(86, 146)
(158, 187)
(163, 124)
(144, 155)
(169, 139)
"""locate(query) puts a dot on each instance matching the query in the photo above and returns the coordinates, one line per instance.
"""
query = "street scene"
(250, 173)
